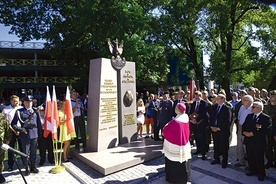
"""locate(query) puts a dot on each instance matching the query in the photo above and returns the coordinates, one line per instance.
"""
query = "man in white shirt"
(233, 102)
(10, 111)
(77, 107)
(245, 109)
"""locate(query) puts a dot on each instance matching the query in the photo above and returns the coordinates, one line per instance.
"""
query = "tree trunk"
(199, 76)
(272, 84)
(225, 84)
(197, 65)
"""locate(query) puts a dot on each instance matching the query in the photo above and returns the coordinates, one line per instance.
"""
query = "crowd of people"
(22, 128)
(212, 118)
(176, 119)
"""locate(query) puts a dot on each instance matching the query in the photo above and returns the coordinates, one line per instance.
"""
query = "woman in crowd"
(177, 148)
(140, 116)
(63, 136)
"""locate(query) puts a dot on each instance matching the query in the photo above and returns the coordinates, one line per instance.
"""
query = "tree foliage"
(79, 30)
(231, 26)
(152, 31)
(178, 30)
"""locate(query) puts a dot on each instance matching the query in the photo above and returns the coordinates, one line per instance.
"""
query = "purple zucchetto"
(181, 106)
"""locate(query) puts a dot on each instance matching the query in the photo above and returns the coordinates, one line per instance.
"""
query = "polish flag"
(54, 116)
(192, 89)
(48, 111)
(69, 113)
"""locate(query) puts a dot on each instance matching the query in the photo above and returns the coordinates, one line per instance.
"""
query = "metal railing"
(30, 62)
(19, 45)
(41, 80)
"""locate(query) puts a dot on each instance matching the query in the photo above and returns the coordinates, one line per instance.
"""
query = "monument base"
(123, 156)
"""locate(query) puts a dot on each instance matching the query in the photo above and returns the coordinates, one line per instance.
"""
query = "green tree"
(177, 28)
(231, 26)
(152, 31)
(78, 30)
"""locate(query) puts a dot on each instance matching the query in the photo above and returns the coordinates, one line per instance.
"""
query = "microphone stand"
(16, 163)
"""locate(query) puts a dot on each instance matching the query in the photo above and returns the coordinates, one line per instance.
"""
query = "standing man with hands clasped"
(77, 108)
(27, 122)
(220, 119)
(255, 130)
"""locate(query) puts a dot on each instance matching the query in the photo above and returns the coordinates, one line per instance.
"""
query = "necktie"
(254, 118)
(197, 106)
(216, 116)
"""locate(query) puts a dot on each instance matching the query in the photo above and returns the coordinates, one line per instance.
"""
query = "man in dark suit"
(220, 119)
(180, 99)
(27, 122)
(255, 130)
(165, 110)
(198, 123)
(207, 130)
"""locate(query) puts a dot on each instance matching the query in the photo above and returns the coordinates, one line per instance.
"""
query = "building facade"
(25, 68)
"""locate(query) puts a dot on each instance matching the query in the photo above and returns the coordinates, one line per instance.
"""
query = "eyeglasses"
(254, 107)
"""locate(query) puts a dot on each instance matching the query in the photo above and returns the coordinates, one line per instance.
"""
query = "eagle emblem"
(116, 50)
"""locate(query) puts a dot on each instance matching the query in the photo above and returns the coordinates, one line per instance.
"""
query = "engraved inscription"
(108, 105)
(129, 119)
(128, 77)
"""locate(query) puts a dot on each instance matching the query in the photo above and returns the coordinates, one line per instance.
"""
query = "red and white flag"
(69, 113)
(48, 111)
(192, 89)
(55, 117)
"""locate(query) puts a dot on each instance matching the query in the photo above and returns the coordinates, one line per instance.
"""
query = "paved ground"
(151, 172)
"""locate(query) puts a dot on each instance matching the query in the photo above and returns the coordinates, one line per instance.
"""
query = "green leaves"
(233, 26)
(153, 30)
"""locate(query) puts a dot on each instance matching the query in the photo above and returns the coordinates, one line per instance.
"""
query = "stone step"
(123, 156)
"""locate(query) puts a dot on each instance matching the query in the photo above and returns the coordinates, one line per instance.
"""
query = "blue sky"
(5, 36)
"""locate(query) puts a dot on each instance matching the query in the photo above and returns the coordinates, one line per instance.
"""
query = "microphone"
(10, 149)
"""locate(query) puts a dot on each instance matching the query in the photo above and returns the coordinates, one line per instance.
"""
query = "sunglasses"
(254, 107)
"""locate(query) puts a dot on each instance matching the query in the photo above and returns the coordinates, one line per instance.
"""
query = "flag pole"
(60, 157)
(55, 123)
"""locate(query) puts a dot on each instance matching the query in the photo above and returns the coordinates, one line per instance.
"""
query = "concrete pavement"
(151, 172)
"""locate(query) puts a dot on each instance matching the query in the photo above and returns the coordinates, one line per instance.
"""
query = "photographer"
(27, 122)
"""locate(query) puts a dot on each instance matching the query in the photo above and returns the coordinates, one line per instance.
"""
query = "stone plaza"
(152, 172)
